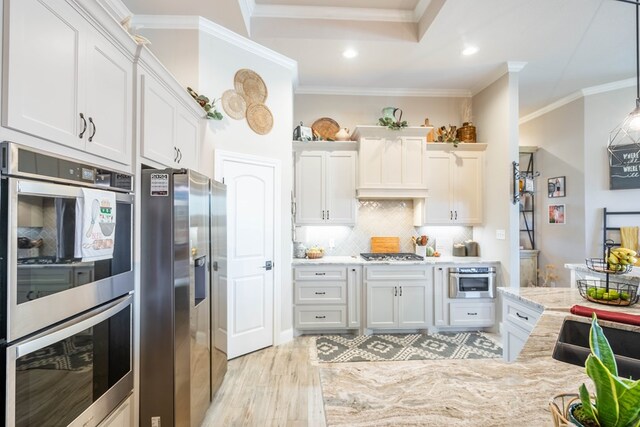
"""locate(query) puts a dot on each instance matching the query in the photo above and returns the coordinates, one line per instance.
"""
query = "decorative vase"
(342, 135)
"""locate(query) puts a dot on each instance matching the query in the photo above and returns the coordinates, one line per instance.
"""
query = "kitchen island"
(487, 392)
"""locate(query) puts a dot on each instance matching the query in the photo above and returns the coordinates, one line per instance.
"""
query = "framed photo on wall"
(557, 214)
(556, 187)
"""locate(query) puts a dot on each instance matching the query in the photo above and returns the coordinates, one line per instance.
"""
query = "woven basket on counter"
(624, 294)
(467, 133)
(315, 254)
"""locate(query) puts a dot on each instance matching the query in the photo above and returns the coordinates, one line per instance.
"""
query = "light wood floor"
(277, 386)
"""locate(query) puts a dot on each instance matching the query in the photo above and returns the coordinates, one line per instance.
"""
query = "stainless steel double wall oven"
(65, 321)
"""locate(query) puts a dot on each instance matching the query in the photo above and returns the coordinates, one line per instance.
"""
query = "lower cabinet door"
(412, 300)
(513, 340)
(122, 416)
(382, 305)
(320, 317)
(472, 314)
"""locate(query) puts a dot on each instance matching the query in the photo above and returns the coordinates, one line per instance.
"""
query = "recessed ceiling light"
(469, 50)
(350, 53)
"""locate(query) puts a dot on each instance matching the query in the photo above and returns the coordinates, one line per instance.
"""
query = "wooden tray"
(385, 245)
(326, 128)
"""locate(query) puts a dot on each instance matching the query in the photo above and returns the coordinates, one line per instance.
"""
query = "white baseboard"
(285, 336)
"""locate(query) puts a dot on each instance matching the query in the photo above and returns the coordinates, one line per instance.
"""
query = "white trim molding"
(246, 9)
(593, 90)
(332, 13)
(192, 22)
(368, 91)
(501, 70)
(116, 8)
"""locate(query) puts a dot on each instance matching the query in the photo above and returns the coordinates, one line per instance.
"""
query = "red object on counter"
(629, 319)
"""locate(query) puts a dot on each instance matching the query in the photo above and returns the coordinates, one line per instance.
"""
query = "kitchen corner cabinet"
(65, 81)
(169, 126)
(327, 297)
(325, 186)
(518, 320)
(391, 163)
(398, 298)
(455, 178)
(452, 313)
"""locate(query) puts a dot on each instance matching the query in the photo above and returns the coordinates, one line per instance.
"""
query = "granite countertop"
(484, 392)
(357, 260)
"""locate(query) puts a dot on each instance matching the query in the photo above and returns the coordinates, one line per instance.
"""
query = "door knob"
(267, 265)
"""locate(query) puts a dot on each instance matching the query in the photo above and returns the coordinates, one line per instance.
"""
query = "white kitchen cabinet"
(458, 313)
(325, 187)
(398, 297)
(455, 178)
(122, 416)
(169, 129)
(65, 81)
(327, 297)
(391, 163)
(518, 320)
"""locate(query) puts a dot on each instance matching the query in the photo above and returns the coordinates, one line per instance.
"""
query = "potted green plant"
(616, 400)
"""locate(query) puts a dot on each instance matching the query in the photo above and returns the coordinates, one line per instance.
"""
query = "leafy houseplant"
(207, 106)
(617, 400)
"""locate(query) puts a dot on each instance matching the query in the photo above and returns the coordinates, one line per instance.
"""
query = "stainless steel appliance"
(400, 256)
(43, 280)
(218, 285)
(175, 356)
(65, 323)
(472, 282)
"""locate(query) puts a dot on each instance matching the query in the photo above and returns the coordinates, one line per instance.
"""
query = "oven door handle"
(72, 327)
(472, 276)
(56, 190)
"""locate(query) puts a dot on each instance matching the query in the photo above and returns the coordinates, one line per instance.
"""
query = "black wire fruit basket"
(603, 291)
(603, 266)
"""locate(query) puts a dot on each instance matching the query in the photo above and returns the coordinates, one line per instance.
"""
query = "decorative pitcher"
(342, 135)
(392, 113)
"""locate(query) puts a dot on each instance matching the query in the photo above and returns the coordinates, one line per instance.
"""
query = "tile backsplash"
(380, 218)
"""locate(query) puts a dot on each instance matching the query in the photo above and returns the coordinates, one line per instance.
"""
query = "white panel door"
(438, 208)
(340, 194)
(413, 152)
(187, 139)
(250, 222)
(109, 102)
(382, 305)
(45, 50)
(310, 188)
(158, 122)
(412, 309)
(468, 186)
(371, 153)
(392, 163)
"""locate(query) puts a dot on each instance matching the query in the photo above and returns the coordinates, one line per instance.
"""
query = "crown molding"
(421, 8)
(332, 13)
(592, 90)
(246, 9)
(357, 91)
(501, 70)
(116, 8)
(198, 23)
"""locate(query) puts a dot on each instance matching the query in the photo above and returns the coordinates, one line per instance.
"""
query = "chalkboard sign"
(628, 175)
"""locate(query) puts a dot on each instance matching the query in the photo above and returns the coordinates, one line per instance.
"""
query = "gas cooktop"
(400, 256)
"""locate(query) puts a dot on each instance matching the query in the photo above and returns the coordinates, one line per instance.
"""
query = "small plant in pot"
(617, 399)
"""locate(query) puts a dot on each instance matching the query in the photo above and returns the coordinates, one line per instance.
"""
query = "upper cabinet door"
(310, 188)
(158, 128)
(340, 187)
(392, 156)
(187, 139)
(439, 174)
(45, 47)
(371, 156)
(468, 186)
(109, 101)
(413, 159)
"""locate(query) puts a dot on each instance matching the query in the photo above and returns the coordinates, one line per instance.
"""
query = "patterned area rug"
(388, 347)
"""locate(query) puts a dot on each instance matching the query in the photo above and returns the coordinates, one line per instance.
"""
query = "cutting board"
(385, 245)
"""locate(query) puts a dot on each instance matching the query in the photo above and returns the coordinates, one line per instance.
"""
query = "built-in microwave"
(472, 282)
(43, 280)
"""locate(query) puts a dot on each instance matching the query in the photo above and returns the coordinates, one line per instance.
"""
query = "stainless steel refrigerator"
(175, 332)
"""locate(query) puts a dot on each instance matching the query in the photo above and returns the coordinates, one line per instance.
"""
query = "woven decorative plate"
(325, 128)
(260, 119)
(234, 104)
(251, 86)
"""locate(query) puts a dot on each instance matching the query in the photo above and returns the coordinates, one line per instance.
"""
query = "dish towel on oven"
(629, 239)
(95, 225)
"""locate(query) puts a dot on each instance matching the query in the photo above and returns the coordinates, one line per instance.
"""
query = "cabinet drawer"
(476, 314)
(520, 314)
(321, 293)
(320, 273)
(406, 272)
(320, 317)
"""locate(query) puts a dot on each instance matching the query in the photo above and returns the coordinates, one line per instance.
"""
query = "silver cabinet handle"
(180, 155)
(472, 314)
(395, 291)
(84, 126)
(456, 218)
(320, 274)
(321, 317)
(400, 290)
(327, 214)
(94, 129)
(321, 293)
(451, 215)
(175, 154)
(521, 316)
(322, 214)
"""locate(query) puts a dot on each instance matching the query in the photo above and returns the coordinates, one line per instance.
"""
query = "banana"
(626, 251)
(613, 259)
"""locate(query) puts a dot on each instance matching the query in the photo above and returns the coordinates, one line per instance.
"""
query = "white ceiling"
(414, 46)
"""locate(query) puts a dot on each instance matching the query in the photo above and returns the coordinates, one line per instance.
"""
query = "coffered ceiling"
(413, 47)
